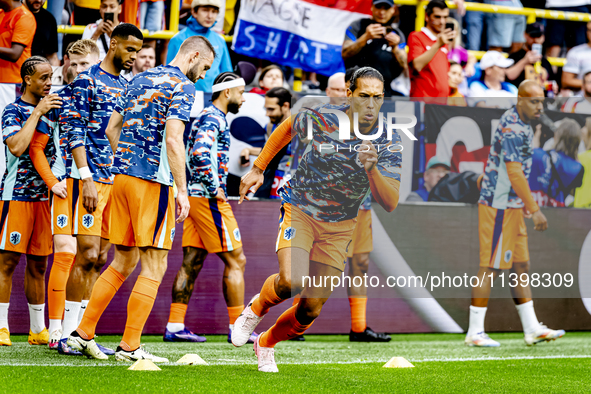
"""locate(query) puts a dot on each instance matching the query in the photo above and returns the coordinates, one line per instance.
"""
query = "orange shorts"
(143, 213)
(26, 227)
(362, 237)
(503, 237)
(326, 242)
(211, 226)
(96, 223)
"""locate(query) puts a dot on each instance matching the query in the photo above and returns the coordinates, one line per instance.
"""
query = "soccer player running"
(505, 199)
(319, 208)
(25, 217)
(146, 131)
(211, 226)
(82, 54)
(94, 93)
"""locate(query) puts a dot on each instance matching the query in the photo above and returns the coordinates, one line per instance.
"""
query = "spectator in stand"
(101, 30)
(492, 86)
(505, 30)
(271, 77)
(456, 76)
(580, 105)
(145, 60)
(555, 174)
(436, 169)
(583, 193)
(577, 59)
(151, 14)
(377, 42)
(17, 28)
(337, 89)
(45, 39)
(86, 12)
(427, 55)
(530, 64)
(561, 33)
(458, 54)
(474, 24)
(60, 73)
(203, 17)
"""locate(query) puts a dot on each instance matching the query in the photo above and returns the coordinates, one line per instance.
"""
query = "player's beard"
(233, 107)
(118, 63)
(193, 73)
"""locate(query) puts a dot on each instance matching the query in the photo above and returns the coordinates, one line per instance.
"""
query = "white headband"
(218, 87)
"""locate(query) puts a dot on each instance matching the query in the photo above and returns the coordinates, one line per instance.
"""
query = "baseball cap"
(389, 2)
(200, 3)
(495, 58)
(535, 29)
(434, 161)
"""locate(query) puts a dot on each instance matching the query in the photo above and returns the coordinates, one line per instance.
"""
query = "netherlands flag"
(306, 34)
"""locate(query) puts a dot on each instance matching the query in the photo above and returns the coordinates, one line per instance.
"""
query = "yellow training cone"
(398, 362)
(191, 359)
(144, 365)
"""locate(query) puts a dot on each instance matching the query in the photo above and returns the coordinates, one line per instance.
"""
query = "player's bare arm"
(176, 159)
(113, 130)
(89, 193)
(18, 143)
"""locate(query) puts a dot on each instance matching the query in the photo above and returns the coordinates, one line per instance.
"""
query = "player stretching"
(25, 218)
(505, 199)
(211, 226)
(319, 209)
(82, 55)
(146, 130)
(94, 93)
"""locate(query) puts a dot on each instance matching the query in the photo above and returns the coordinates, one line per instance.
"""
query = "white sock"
(477, 315)
(83, 305)
(527, 314)
(231, 327)
(37, 318)
(54, 324)
(4, 315)
(71, 311)
(175, 327)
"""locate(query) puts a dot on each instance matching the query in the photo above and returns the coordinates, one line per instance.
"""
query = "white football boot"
(54, 339)
(481, 340)
(87, 347)
(542, 334)
(137, 354)
(245, 325)
(266, 357)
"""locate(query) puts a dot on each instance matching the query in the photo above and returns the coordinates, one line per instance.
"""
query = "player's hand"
(446, 37)
(375, 30)
(89, 195)
(526, 214)
(368, 156)
(531, 57)
(221, 195)
(393, 39)
(60, 189)
(540, 221)
(49, 102)
(246, 154)
(252, 179)
(182, 206)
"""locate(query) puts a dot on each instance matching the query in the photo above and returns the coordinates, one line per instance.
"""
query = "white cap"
(495, 58)
(213, 3)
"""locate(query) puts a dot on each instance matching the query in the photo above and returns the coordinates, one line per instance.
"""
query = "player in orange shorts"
(211, 226)
(320, 207)
(149, 157)
(24, 218)
(505, 199)
(82, 55)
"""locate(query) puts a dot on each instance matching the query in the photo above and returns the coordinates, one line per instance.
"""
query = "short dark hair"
(349, 73)
(365, 72)
(269, 68)
(147, 46)
(435, 4)
(223, 77)
(281, 94)
(124, 30)
(197, 44)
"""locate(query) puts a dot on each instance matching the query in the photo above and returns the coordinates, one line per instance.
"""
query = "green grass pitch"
(327, 363)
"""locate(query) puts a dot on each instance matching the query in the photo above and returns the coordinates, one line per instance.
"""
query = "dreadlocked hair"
(223, 77)
(29, 67)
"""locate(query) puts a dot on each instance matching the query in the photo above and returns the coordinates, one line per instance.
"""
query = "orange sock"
(139, 307)
(286, 327)
(102, 293)
(234, 312)
(358, 304)
(56, 287)
(296, 300)
(177, 313)
(267, 298)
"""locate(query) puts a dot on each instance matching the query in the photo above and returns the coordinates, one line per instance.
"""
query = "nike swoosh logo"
(67, 310)
(37, 310)
(58, 290)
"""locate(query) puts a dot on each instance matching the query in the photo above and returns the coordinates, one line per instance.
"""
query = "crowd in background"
(431, 63)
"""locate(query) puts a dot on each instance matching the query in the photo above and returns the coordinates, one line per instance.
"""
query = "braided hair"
(29, 68)
(223, 77)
